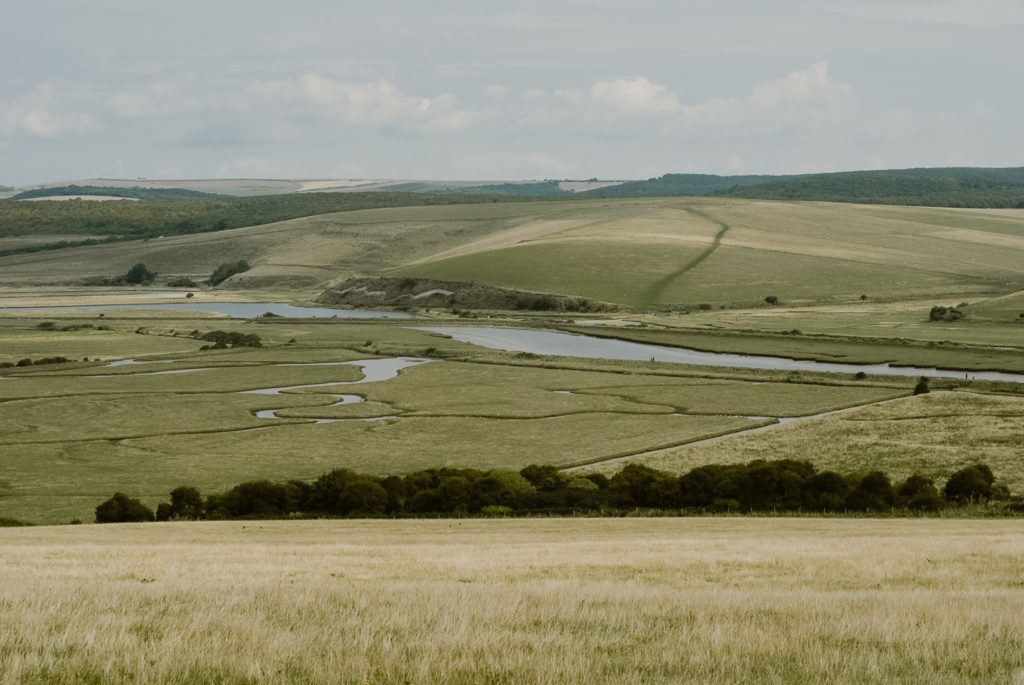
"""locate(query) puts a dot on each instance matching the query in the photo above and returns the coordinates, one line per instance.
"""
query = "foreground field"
(556, 601)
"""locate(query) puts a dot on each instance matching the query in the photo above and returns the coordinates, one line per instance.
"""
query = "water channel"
(238, 310)
(573, 345)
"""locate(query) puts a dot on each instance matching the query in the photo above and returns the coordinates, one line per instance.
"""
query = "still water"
(571, 345)
(238, 310)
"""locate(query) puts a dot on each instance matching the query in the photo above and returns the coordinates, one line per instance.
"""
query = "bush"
(972, 484)
(922, 386)
(938, 313)
(873, 493)
(919, 493)
(139, 275)
(121, 509)
(227, 270)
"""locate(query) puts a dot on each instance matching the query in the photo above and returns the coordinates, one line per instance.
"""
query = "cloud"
(496, 92)
(378, 103)
(634, 95)
(33, 113)
(981, 14)
(623, 107)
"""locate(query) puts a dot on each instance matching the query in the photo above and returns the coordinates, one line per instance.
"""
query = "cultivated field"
(541, 601)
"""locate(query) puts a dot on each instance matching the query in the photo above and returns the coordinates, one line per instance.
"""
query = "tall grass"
(537, 601)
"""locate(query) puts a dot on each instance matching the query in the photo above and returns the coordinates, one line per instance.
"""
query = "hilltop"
(936, 187)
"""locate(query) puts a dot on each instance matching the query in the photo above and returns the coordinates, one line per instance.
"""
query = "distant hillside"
(134, 220)
(952, 187)
(680, 184)
(134, 193)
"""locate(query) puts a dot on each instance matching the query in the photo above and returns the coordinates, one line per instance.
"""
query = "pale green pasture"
(748, 398)
(989, 322)
(23, 339)
(934, 435)
(58, 481)
(853, 350)
(799, 252)
(604, 270)
(150, 433)
(147, 379)
(738, 276)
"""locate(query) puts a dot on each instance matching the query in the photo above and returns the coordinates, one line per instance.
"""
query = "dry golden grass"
(535, 601)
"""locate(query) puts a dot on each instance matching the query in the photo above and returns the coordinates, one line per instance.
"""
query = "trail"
(652, 295)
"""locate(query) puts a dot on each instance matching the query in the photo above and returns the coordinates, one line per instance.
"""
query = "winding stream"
(374, 370)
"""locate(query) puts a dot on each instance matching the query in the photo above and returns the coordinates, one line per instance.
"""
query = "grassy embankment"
(566, 601)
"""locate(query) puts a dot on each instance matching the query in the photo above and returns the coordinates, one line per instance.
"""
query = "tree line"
(756, 487)
(143, 220)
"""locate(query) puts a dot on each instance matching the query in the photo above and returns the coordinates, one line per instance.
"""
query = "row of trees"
(759, 486)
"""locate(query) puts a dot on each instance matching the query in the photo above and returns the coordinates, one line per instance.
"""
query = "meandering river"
(573, 345)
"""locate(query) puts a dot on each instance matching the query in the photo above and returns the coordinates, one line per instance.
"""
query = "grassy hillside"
(176, 216)
(133, 193)
(652, 253)
(648, 253)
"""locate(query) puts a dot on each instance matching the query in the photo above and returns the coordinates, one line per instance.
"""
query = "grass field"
(185, 419)
(799, 252)
(542, 601)
(933, 435)
(139, 429)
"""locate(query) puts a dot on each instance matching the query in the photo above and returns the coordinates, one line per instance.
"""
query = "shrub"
(938, 313)
(873, 493)
(227, 270)
(972, 484)
(772, 300)
(919, 493)
(122, 509)
(922, 386)
(139, 275)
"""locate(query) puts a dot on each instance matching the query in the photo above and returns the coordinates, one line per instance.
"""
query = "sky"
(471, 90)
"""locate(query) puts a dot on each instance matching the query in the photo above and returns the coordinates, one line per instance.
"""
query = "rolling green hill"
(658, 252)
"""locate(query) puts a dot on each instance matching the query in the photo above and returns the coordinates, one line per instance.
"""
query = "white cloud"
(496, 92)
(801, 100)
(378, 102)
(33, 113)
(634, 95)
